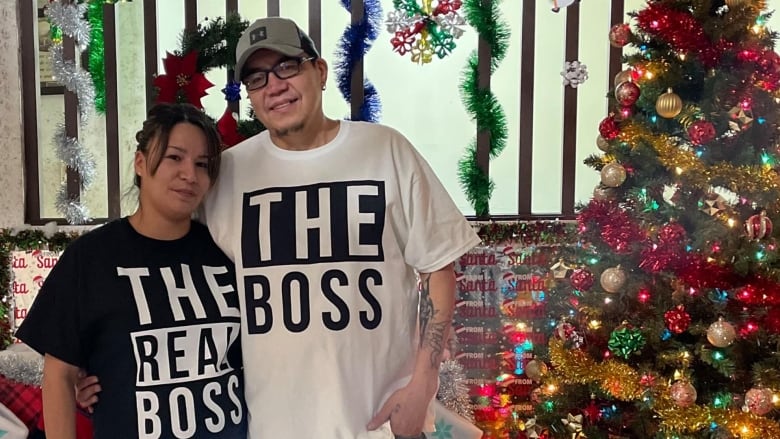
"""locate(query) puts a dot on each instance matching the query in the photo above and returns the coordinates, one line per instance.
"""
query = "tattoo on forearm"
(431, 333)
(426, 305)
(434, 339)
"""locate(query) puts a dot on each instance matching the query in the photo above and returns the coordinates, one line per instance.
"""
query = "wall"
(11, 167)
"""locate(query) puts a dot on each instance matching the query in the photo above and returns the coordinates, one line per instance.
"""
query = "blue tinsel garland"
(354, 43)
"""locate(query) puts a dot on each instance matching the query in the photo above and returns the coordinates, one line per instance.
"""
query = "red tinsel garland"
(617, 229)
(679, 29)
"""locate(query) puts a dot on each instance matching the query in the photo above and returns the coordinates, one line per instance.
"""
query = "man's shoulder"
(246, 146)
(373, 128)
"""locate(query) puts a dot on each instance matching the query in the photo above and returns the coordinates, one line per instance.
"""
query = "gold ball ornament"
(535, 370)
(721, 333)
(613, 279)
(758, 401)
(683, 394)
(613, 174)
(602, 143)
(622, 77)
(668, 105)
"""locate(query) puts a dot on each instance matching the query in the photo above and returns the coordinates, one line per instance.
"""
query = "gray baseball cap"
(278, 34)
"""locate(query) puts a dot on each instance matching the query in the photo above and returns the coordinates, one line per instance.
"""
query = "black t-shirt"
(157, 322)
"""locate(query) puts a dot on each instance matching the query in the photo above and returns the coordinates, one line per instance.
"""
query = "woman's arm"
(59, 399)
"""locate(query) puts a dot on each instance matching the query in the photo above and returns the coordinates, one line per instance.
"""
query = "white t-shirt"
(326, 243)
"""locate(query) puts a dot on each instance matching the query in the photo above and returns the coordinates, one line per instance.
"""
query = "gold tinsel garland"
(623, 383)
(741, 179)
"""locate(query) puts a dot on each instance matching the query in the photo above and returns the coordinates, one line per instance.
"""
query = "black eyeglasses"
(283, 70)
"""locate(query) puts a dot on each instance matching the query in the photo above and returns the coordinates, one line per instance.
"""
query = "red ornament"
(677, 319)
(701, 132)
(581, 279)
(626, 113)
(182, 80)
(619, 35)
(567, 332)
(758, 226)
(627, 93)
(672, 232)
(661, 256)
(228, 129)
(608, 128)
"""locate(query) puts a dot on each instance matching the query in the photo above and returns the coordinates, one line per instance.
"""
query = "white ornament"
(613, 279)
(574, 73)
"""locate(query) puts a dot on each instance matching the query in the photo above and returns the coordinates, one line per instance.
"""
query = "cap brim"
(284, 49)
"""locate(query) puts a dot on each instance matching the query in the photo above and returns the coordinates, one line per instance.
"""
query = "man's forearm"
(437, 306)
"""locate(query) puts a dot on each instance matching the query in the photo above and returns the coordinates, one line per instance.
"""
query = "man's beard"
(282, 132)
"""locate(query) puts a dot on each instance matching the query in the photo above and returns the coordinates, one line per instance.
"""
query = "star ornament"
(740, 119)
(182, 80)
(712, 204)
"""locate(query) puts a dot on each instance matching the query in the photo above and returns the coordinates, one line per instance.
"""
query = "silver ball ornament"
(535, 370)
(602, 143)
(613, 174)
(721, 333)
(602, 193)
(613, 279)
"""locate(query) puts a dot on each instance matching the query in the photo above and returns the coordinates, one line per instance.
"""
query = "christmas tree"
(668, 324)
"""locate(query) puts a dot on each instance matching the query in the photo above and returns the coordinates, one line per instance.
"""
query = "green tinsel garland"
(482, 104)
(215, 42)
(21, 240)
(97, 65)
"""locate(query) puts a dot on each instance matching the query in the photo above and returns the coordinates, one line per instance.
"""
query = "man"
(329, 222)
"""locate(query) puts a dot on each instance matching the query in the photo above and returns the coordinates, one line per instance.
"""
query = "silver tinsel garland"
(22, 368)
(69, 17)
(70, 151)
(75, 79)
(73, 210)
(453, 391)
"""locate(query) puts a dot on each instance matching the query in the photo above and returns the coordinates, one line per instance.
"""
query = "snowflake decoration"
(574, 73)
(425, 31)
(443, 430)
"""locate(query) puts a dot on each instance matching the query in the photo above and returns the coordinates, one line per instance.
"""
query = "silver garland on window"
(69, 18)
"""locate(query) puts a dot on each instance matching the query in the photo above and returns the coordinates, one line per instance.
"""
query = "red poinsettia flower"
(182, 78)
(228, 129)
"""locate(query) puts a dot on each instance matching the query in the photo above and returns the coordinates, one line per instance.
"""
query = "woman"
(147, 303)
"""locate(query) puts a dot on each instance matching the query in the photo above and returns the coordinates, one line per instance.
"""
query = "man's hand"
(87, 389)
(405, 409)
